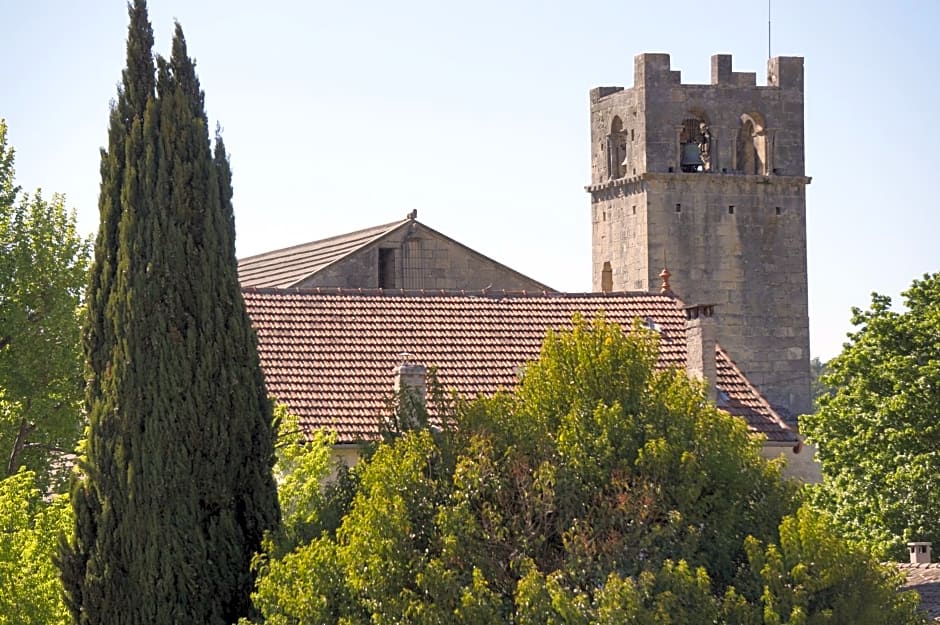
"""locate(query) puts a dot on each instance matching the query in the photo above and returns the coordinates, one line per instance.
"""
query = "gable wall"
(423, 260)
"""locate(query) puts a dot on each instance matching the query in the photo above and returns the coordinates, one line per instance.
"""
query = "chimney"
(701, 339)
(411, 377)
(920, 553)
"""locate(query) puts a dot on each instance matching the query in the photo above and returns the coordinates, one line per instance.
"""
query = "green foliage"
(818, 388)
(602, 491)
(175, 490)
(43, 270)
(310, 502)
(813, 578)
(314, 494)
(29, 527)
(878, 434)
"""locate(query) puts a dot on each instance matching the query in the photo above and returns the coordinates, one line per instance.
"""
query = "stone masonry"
(709, 180)
(418, 257)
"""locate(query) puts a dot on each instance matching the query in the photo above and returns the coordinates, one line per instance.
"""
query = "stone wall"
(423, 259)
(801, 461)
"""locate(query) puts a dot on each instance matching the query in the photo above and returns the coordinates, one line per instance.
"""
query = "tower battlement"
(653, 69)
(731, 125)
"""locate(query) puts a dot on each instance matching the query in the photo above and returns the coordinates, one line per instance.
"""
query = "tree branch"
(26, 428)
(46, 447)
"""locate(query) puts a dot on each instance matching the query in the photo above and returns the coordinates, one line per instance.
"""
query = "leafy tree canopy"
(602, 491)
(43, 271)
(879, 432)
(29, 530)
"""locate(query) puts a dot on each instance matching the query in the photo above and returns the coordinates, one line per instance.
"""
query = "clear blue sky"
(343, 115)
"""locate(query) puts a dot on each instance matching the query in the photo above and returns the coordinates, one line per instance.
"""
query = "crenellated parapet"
(730, 126)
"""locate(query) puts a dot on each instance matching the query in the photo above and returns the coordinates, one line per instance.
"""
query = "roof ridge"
(489, 293)
(380, 229)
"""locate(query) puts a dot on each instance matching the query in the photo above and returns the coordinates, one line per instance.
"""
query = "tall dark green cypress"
(176, 489)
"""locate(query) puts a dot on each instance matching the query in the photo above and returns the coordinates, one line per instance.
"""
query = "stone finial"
(664, 288)
(412, 215)
(920, 552)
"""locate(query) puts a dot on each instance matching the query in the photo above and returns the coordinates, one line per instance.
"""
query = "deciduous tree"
(43, 272)
(818, 388)
(878, 433)
(602, 491)
(29, 528)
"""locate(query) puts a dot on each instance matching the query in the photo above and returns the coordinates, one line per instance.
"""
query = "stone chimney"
(412, 377)
(920, 553)
(701, 336)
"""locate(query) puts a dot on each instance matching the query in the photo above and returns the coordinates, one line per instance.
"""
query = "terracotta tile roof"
(288, 266)
(925, 579)
(329, 354)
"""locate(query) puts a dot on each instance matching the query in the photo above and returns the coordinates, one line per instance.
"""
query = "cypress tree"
(175, 488)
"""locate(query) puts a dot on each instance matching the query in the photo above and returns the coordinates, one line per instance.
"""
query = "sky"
(344, 115)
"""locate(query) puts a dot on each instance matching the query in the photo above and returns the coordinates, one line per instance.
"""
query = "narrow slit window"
(386, 268)
(607, 278)
(731, 209)
(678, 208)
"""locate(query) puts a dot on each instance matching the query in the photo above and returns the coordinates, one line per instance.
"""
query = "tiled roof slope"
(329, 355)
(286, 267)
(925, 579)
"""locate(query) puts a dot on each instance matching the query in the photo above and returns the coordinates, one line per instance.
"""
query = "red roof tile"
(329, 354)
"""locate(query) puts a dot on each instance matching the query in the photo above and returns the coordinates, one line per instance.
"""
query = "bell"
(691, 157)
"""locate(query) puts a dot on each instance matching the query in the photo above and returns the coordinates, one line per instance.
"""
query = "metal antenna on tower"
(768, 30)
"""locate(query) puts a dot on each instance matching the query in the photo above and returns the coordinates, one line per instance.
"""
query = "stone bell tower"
(709, 180)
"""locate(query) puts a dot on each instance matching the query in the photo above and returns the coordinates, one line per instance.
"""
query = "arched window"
(695, 143)
(752, 149)
(616, 150)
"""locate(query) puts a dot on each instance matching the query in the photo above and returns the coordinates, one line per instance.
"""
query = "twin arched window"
(751, 145)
